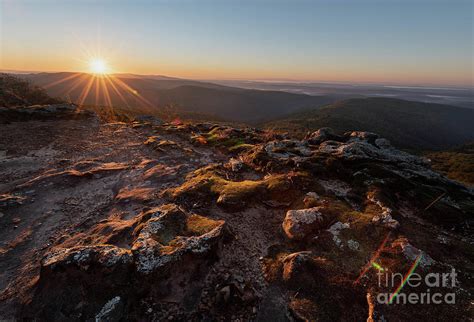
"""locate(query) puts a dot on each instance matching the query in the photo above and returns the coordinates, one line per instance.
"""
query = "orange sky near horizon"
(202, 71)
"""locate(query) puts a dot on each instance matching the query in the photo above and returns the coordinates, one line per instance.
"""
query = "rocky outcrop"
(158, 143)
(230, 139)
(367, 146)
(170, 244)
(43, 112)
(284, 149)
(78, 280)
(208, 184)
(352, 147)
(165, 236)
(183, 221)
(166, 239)
(82, 257)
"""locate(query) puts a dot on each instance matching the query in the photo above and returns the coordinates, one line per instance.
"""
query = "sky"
(419, 42)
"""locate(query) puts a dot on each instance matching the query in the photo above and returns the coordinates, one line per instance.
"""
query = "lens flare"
(405, 279)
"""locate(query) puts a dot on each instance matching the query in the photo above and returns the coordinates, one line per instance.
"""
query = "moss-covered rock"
(209, 184)
(169, 235)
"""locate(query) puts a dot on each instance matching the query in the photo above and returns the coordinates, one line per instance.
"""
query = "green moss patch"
(203, 184)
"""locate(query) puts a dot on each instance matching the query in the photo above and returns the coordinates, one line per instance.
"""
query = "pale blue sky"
(422, 42)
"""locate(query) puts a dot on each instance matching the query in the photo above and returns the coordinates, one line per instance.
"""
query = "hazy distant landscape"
(428, 124)
(458, 96)
(217, 101)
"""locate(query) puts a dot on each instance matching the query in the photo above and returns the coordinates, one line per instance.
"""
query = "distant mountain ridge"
(449, 95)
(154, 92)
(407, 124)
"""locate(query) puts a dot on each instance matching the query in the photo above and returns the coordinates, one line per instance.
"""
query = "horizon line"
(270, 80)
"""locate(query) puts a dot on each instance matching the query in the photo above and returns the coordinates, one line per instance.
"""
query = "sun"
(98, 66)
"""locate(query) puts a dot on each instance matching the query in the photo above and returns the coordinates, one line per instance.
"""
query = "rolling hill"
(407, 124)
(134, 91)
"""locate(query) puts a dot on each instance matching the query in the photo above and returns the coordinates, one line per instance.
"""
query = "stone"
(335, 229)
(312, 194)
(235, 164)
(301, 270)
(110, 311)
(321, 135)
(148, 119)
(359, 147)
(285, 149)
(311, 199)
(353, 245)
(385, 219)
(164, 240)
(299, 224)
(293, 262)
(360, 135)
(80, 257)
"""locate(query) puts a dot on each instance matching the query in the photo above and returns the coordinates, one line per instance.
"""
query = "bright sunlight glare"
(98, 66)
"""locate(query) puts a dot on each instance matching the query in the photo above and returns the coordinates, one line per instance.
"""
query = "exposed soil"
(71, 175)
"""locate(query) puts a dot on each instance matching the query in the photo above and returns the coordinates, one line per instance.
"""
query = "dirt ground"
(63, 177)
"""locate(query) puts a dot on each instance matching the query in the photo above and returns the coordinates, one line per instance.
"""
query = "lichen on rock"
(299, 224)
(166, 238)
